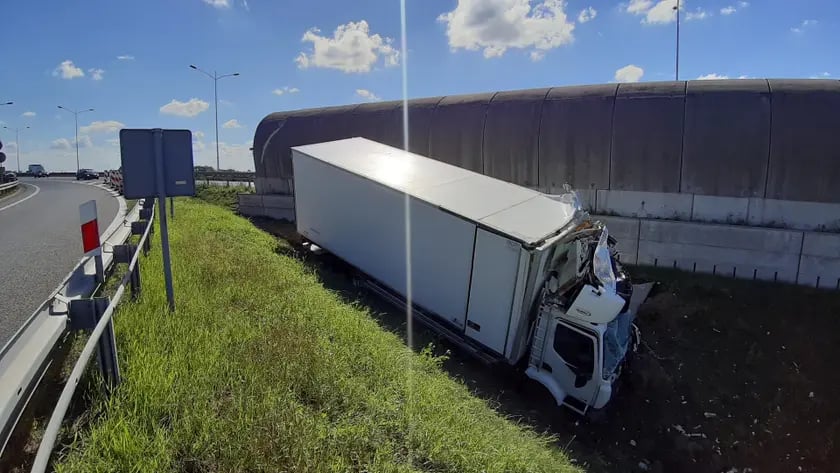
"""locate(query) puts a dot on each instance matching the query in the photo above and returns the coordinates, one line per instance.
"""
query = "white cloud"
(125, 57)
(804, 25)
(65, 143)
(218, 3)
(661, 12)
(197, 138)
(233, 156)
(744, 77)
(698, 14)
(231, 124)
(367, 95)
(96, 74)
(494, 26)
(822, 75)
(245, 5)
(587, 14)
(190, 108)
(108, 126)
(285, 90)
(713, 76)
(537, 55)
(351, 49)
(730, 9)
(639, 7)
(28, 114)
(629, 73)
(68, 70)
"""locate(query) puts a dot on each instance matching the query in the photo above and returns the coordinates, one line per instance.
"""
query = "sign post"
(158, 163)
(164, 229)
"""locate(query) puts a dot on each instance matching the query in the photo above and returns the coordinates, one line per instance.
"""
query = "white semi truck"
(509, 273)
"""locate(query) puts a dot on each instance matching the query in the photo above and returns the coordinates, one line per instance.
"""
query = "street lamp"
(677, 62)
(76, 116)
(215, 78)
(17, 142)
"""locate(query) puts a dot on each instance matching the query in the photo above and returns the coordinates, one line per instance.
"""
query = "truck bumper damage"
(584, 326)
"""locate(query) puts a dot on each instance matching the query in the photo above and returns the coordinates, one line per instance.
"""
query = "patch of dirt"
(732, 376)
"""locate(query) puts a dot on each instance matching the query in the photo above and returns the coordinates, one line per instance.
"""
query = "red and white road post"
(90, 236)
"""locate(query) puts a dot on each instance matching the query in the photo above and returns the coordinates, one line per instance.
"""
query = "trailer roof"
(521, 213)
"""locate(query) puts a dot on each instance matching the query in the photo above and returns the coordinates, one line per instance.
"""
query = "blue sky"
(129, 60)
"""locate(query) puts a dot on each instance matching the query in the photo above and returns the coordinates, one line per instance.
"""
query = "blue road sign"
(138, 154)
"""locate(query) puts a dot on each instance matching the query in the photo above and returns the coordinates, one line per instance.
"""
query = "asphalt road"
(40, 242)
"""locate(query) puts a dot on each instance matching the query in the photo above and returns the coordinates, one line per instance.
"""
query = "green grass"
(263, 369)
(221, 195)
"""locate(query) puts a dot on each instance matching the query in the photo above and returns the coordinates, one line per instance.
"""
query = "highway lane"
(40, 243)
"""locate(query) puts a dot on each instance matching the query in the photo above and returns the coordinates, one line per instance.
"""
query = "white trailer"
(510, 273)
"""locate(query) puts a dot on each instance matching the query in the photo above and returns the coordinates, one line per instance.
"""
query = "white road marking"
(37, 190)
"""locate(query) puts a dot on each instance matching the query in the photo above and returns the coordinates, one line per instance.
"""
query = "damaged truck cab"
(508, 273)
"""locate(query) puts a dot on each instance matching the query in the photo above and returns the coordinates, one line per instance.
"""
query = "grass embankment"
(263, 369)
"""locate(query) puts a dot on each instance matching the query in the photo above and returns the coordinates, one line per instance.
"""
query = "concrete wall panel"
(644, 204)
(805, 149)
(647, 137)
(820, 216)
(511, 136)
(574, 137)
(723, 261)
(457, 130)
(727, 138)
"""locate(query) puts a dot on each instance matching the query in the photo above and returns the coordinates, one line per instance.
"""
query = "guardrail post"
(84, 315)
(106, 350)
(123, 254)
(137, 228)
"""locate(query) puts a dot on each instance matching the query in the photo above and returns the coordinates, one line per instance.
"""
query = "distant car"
(9, 176)
(86, 174)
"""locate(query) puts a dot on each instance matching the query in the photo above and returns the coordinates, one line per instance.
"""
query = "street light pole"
(215, 78)
(17, 143)
(677, 62)
(216, 109)
(76, 116)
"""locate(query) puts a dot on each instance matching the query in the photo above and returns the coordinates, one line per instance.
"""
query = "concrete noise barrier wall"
(774, 139)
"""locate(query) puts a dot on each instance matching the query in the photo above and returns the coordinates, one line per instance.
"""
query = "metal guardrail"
(26, 356)
(8, 186)
(102, 338)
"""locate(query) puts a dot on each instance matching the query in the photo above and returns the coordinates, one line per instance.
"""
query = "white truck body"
(478, 252)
